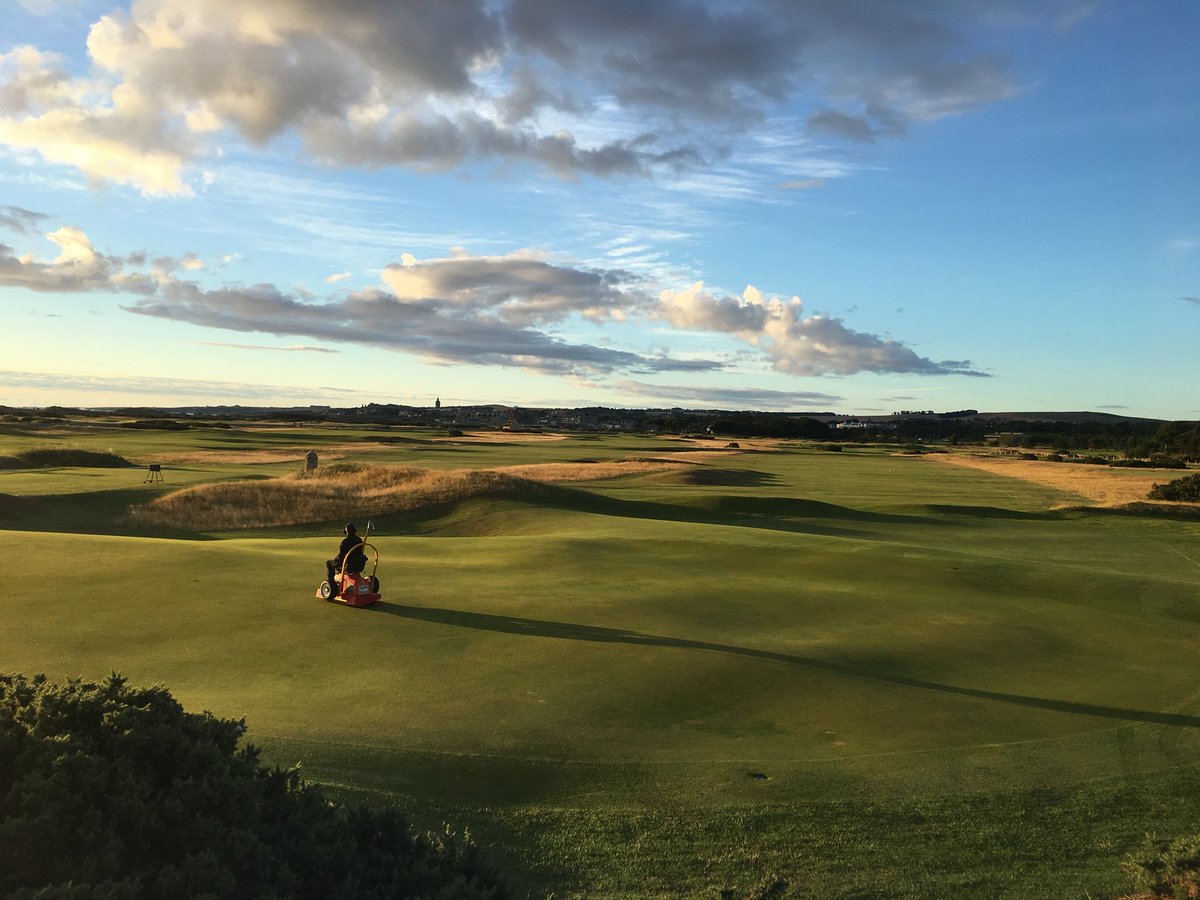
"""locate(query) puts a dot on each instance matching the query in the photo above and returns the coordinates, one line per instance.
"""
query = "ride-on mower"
(353, 588)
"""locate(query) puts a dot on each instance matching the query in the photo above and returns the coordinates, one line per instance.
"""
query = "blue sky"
(835, 205)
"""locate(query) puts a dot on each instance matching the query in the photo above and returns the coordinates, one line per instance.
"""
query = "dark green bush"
(113, 792)
(1184, 490)
(1154, 462)
(53, 457)
(1166, 868)
(156, 425)
(1091, 460)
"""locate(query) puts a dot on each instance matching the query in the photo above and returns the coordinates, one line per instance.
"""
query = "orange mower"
(353, 588)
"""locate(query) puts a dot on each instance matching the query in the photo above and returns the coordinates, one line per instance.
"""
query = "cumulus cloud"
(482, 310)
(461, 309)
(80, 267)
(663, 85)
(436, 329)
(519, 289)
(793, 342)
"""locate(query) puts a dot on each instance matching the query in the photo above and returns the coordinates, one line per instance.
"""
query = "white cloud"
(518, 289)
(730, 398)
(336, 277)
(795, 343)
(483, 310)
(603, 89)
(259, 348)
(170, 387)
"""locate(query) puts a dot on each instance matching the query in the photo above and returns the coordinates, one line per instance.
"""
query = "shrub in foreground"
(1185, 490)
(108, 791)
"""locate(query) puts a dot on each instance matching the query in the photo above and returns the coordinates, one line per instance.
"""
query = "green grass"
(871, 675)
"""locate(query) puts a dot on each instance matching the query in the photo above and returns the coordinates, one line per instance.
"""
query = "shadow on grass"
(595, 634)
(102, 512)
(1143, 510)
(989, 512)
(789, 514)
(703, 476)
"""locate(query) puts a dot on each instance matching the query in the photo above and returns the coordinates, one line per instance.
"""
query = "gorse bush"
(52, 457)
(1154, 462)
(108, 791)
(1185, 490)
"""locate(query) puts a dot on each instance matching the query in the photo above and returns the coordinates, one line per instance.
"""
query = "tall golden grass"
(587, 471)
(359, 492)
(1101, 485)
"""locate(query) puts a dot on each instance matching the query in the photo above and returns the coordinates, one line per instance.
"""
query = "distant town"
(1080, 431)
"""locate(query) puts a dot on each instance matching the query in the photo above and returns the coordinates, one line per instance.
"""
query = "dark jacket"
(358, 559)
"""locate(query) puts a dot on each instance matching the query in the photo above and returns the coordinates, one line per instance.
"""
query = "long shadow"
(708, 477)
(991, 512)
(99, 512)
(571, 632)
(788, 514)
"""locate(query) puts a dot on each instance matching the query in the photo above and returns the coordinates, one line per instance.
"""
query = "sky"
(849, 206)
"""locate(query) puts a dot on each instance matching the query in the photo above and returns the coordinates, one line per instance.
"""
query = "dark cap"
(350, 529)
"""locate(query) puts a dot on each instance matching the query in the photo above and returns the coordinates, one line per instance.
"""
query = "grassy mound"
(334, 493)
(55, 457)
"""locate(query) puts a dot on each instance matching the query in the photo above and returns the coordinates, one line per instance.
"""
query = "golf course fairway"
(862, 672)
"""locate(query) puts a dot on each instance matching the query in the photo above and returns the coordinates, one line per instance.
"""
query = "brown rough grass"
(504, 437)
(365, 491)
(266, 455)
(562, 472)
(330, 453)
(1103, 486)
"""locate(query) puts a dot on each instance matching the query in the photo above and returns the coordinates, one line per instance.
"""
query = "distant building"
(1004, 439)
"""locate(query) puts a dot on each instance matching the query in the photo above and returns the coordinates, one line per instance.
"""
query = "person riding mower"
(345, 582)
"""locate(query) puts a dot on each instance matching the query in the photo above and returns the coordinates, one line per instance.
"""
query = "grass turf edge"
(1022, 843)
